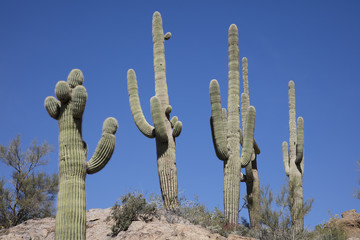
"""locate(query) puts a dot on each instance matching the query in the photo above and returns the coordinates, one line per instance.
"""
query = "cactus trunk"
(233, 164)
(166, 161)
(71, 205)
(164, 129)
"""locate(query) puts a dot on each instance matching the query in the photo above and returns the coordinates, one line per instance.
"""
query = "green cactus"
(294, 163)
(68, 110)
(164, 129)
(252, 175)
(226, 132)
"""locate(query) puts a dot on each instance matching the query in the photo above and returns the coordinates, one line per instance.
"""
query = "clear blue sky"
(314, 43)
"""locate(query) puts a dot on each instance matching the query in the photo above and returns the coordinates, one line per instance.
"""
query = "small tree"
(277, 221)
(28, 193)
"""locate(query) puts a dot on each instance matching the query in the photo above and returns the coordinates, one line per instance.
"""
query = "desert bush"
(131, 207)
(276, 218)
(329, 230)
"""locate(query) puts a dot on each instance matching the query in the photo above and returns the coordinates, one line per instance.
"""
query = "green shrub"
(133, 207)
(329, 230)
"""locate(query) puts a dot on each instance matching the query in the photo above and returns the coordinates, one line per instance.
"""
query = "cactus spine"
(294, 163)
(68, 110)
(252, 175)
(164, 129)
(227, 134)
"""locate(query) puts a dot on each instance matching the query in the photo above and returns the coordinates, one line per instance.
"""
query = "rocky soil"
(350, 221)
(99, 228)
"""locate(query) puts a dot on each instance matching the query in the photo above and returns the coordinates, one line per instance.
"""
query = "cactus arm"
(245, 99)
(302, 165)
(62, 91)
(157, 116)
(79, 101)
(173, 121)
(217, 152)
(245, 75)
(219, 135)
(224, 119)
(245, 103)
(285, 151)
(168, 110)
(105, 147)
(136, 111)
(177, 129)
(248, 137)
(300, 140)
(161, 90)
(256, 148)
(52, 106)
(176, 125)
(75, 78)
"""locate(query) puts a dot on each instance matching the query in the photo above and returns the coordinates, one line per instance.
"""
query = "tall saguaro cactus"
(227, 136)
(164, 129)
(252, 175)
(294, 163)
(68, 110)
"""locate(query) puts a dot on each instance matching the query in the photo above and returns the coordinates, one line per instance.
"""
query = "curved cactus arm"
(157, 116)
(300, 140)
(177, 129)
(217, 125)
(136, 111)
(302, 165)
(79, 97)
(173, 121)
(168, 110)
(245, 103)
(285, 150)
(52, 106)
(224, 119)
(248, 137)
(217, 152)
(105, 147)
(75, 78)
(256, 148)
(62, 91)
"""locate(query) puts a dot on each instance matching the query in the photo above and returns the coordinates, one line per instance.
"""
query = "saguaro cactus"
(252, 175)
(164, 129)
(294, 163)
(68, 110)
(227, 136)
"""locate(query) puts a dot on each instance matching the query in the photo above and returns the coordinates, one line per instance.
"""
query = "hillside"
(99, 228)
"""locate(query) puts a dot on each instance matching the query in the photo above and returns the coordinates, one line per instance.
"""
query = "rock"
(98, 227)
(350, 222)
